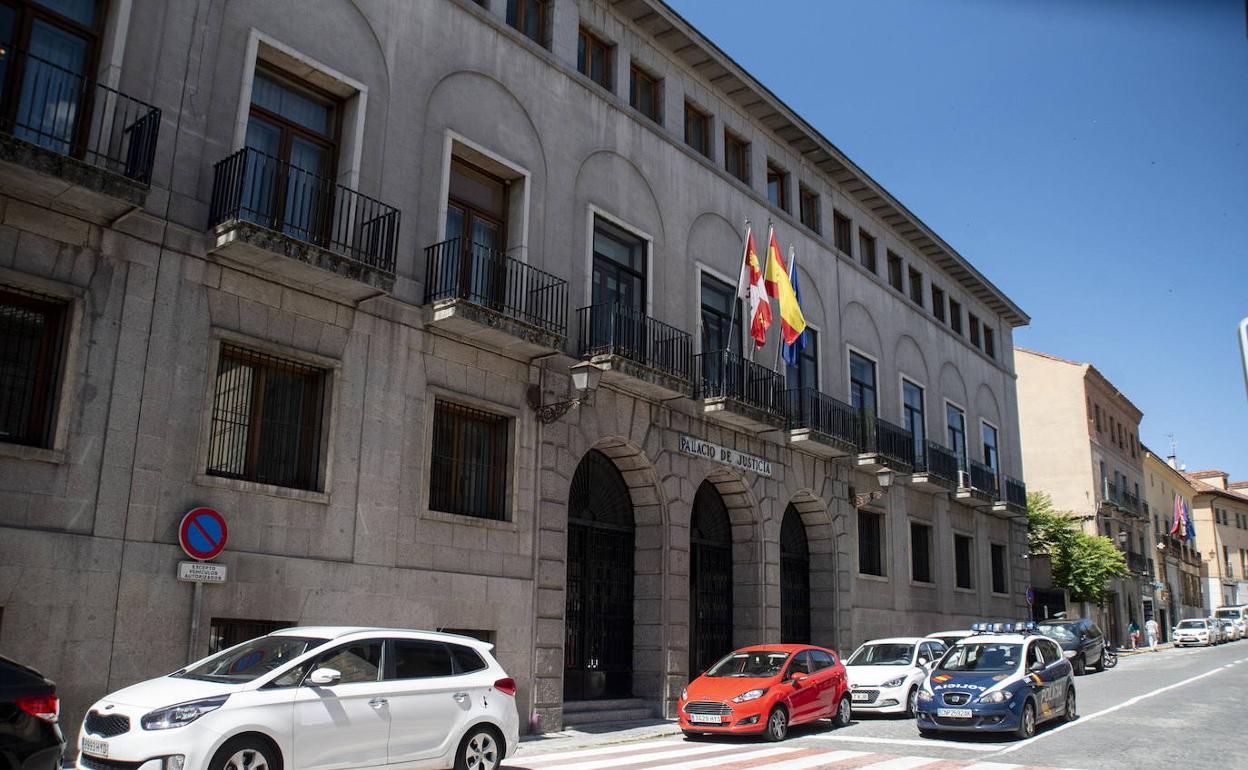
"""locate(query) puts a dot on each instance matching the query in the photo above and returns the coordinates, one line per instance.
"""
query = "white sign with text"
(201, 572)
(724, 455)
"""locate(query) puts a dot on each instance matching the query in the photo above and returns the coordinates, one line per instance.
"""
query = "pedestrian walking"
(1134, 631)
(1151, 629)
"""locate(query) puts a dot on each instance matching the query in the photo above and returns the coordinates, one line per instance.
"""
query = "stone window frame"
(593, 211)
(882, 518)
(519, 192)
(902, 379)
(932, 572)
(851, 349)
(218, 337)
(970, 561)
(701, 267)
(1005, 567)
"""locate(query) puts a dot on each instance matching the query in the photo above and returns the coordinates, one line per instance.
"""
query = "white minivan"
(315, 698)
(1238, 616)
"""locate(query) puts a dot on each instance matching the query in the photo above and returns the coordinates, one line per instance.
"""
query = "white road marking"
(814, 760)
(900, 763)
(775, 751)
(604, 757)
(990, 766)
(909, 742)
(1110, 710)
(598, 750)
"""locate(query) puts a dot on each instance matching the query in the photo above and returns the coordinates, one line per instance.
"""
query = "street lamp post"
(883, 477)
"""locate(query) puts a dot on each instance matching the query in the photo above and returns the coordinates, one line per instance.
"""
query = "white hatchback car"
(885, 675)
(315, 699)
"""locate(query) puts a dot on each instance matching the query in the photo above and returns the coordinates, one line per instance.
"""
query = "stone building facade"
(325, 268)
(1220, 514)
(1178, 583)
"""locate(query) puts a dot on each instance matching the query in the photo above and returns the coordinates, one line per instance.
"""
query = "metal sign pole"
(197, 601)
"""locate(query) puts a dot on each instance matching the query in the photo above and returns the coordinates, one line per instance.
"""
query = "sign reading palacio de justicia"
(724, 455)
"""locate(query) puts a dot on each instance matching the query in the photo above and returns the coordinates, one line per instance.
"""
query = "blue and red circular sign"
(202, 533)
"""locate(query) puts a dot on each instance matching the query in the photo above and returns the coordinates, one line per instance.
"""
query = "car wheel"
(844, 713)
(480, 749)
(1027, 721)
(1081, 665)
(246, 753)
(912, 702)
(777, 724)
(1071, 713)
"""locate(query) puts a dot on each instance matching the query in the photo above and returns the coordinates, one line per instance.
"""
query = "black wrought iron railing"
(1015, 491)
(1120, 498)
(937, 461)
(62, 111)
(725, 374)
(1138, 563)
(619, 330)
(809, 408)
(488, 278)
(892, 443)
(256, 187)
(983, 478)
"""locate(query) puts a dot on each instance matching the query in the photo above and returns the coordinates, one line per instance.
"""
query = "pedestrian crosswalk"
(678, 754)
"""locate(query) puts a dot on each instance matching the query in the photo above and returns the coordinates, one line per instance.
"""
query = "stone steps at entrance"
(599, 711)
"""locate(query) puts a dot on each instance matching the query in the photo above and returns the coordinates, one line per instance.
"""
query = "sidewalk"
(597, 735)
(1127, 651)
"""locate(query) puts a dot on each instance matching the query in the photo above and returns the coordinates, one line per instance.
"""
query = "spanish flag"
(792, 323)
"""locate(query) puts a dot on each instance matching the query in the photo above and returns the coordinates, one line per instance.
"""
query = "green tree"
(1083, 564)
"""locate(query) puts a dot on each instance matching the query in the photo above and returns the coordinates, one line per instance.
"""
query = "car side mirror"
(1036, 667)
(797, 677)
(323, 677)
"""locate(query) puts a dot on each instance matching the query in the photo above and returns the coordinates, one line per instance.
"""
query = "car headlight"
(749, 695)
(997, 696)
(684, 693)
(1069, 654)
(898, 682)
(181, 714)
(925, 695)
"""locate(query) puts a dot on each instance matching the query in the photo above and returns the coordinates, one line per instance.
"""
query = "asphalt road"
(1172, 708)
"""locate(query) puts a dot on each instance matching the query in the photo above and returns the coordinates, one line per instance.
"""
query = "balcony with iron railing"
(1012, 501)
(1138, 564)
(977, 485)
(1116, 497)
(883, 445)
(68, 141)
(637, 353)
(820, 424)
(935, 468)
(479, 293)
(293, 224)
(741, 393)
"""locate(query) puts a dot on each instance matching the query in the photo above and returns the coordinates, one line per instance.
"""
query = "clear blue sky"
(1089, 156)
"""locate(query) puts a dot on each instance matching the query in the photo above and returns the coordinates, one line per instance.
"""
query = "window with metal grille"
(31, 350)
(468, 470)
(870, 543)
(266, 420)
(227, 632)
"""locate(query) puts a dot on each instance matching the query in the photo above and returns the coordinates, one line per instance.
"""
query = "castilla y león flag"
(792, 323)
(751, 288)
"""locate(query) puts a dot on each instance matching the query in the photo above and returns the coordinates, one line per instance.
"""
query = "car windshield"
(1191, 624)
(983, 656)
(757, 664)
(1227, 614)
(251, 659)
(891, 654)
(1059, 633)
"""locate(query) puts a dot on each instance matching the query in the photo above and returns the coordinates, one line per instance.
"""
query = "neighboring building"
(323, 266)
(1176, 559)
(1081, 445)
(1220, 511)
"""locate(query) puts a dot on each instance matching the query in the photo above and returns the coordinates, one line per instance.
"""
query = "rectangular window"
(468, 465)
(920, 552)
(32, 338)
(809, 208)
(842, 233)
(916, 287)
(266, 420)
(912, 415)
(861, 382)
(1000, 571)
(529, 17)
(964, 566)
(938, 303)
(721, 317)
(866, 251)
(990, 342)
(870, 543)
(805, 374)
(973, 322)
(593, 58)
(1096, 410)
(955, 316)
(643, 93)
(224, 633)
(955, 420)
(619, 273)
(991, 458)
(737, 156)
(697, 130)
(894, 271)
(777, 186)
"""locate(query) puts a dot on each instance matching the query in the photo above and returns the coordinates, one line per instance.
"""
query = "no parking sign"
(202, 533)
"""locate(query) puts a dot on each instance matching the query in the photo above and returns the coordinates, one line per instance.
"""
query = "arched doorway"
(598, 643)
(710, 580)
(794, 579)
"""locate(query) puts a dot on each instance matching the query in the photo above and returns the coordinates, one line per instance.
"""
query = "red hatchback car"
(765, 689)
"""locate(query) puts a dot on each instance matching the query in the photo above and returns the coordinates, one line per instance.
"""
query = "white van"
(1236, 615)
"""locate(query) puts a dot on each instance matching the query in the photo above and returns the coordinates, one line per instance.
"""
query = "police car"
(1005, 677)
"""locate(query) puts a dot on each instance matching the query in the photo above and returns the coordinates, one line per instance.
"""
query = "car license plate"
(705, 719)
(862, 697)
(95, 748)
(954, 713)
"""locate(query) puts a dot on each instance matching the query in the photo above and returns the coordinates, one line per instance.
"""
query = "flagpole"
(736, 300)
(780, 345)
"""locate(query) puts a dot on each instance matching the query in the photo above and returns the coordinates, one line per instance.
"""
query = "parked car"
(950, 638)
(1229, 630)
(1216, 631)
(1236, 615)
(30, 737)
(885, 674)
(1081, 641)
(1193, 631)
(315, 697)
(765, 689)
(998, 682)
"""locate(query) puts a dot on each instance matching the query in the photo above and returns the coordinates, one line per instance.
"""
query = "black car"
(1081, 640)
(30, 738)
